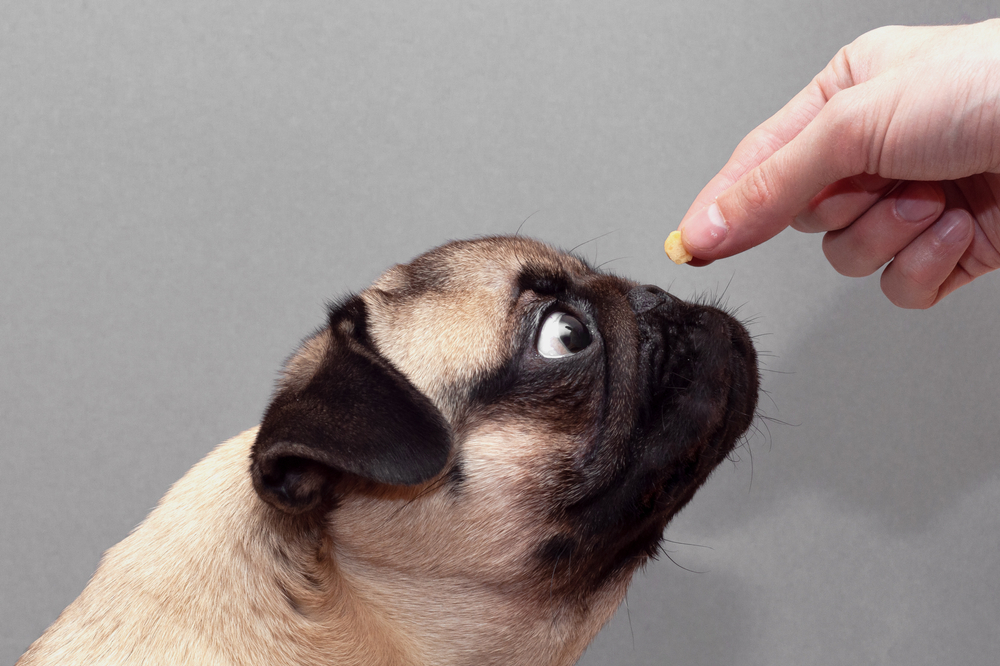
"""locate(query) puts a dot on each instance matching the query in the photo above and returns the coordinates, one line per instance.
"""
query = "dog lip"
(675, 465)
(688, 345)
(739, 366)
(702, 385)
(696, 394)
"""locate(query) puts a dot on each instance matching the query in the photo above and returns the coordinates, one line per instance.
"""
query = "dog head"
(497, 423)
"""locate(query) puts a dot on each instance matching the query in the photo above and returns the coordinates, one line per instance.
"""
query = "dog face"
(498, 435)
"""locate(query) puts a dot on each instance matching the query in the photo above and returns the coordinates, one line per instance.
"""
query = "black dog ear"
(352, 413)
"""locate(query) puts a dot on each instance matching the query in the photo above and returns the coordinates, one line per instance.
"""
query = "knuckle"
(837, 76)
(756, 192)
(844, 259)
(856, 128)
(914, 275)
(909, 286)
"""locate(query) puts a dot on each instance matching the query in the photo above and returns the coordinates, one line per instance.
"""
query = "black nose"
(646, 297)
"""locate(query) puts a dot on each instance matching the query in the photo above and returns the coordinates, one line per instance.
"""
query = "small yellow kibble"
(675, 248)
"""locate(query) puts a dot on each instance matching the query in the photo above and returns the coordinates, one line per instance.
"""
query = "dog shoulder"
(207, 578)
(146, 601)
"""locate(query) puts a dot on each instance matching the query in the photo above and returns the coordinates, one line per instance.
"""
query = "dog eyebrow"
(542, 281)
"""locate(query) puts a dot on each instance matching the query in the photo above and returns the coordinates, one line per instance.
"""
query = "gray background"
(183, 184)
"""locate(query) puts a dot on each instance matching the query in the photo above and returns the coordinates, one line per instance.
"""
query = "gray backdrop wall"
(183, 184)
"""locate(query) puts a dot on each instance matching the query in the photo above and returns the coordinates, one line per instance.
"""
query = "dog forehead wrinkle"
(443, 336)
(439, 341)
(452, 265)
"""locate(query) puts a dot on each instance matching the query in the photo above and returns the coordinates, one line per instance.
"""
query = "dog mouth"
(698, 397)
(701, 379)
(694, 396)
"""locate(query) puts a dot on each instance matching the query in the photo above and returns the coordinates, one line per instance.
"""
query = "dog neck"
(213, 567)
(456, 621)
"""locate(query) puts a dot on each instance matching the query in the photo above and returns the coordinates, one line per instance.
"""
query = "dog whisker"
(770, 419)
(518, 232)
(628, 614)
(684, 543)
(552, 580)
(431, 487)
(576, 247)
(605, 263)
(667, 555)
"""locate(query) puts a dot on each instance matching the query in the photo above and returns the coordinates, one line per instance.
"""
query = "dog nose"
(646, 297)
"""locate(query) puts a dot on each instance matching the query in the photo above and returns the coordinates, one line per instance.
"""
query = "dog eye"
(562, 335)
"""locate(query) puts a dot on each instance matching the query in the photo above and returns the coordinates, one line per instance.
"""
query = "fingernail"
(917, 203)
(952, 228)
(706, 229)
(805, 221)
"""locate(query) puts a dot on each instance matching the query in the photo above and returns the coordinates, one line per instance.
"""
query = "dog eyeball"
(562, 335)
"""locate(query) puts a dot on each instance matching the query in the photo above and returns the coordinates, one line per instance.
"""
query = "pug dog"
(465, 465)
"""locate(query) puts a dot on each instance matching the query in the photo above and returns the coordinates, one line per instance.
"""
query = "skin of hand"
(893, 150)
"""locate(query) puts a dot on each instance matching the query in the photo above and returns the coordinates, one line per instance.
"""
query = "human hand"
(893, 150)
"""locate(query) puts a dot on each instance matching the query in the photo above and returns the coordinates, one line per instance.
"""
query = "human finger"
(884, 230)
(762, 142)
(928, 269)
(839, 204)
(766, 198)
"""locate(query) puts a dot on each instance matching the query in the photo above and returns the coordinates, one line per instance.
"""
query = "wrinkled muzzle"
(701, 387)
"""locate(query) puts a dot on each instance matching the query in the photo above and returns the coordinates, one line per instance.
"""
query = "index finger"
(763, 142)
(768, 196)
(760, 146)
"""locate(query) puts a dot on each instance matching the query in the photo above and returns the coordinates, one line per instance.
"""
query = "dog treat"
(675, 248)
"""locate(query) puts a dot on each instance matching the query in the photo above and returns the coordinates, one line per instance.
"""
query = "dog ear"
(352, 413)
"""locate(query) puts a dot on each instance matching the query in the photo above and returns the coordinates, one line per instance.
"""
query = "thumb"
(765, 199)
